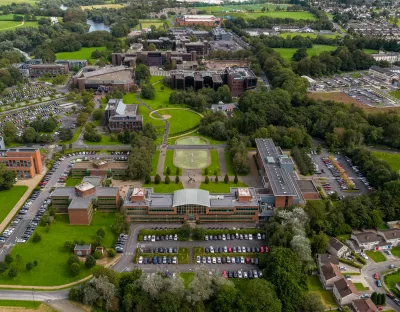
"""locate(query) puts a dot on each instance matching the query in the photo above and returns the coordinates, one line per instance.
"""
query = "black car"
(250, 274)
(149, 260)
(175, 250)
(207, 249)
(252, 260)
(215, 237)
(223, 260)
(144, 260)
(220, 237)
(257, 249)
(235, 274)
(169, 260)
(157, 238)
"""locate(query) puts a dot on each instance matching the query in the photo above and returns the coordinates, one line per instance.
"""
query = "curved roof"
(191, 197)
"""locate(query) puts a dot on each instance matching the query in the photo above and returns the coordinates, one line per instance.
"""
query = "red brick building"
(198, 20)
(26, 162)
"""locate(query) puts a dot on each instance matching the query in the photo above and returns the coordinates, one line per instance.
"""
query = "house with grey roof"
(360, 242)
(392, 236)
(337, 248)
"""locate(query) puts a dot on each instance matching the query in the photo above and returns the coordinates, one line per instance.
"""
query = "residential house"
(392, 236)
(363, 305)
(367, 241)
(329, 274)
(82, 250)
(337, 248)
(344, 292)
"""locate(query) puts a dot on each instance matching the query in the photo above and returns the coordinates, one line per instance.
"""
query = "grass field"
(154, 163)
(147, 23)
(154, 79)
(220, 187)
(187, 277)
(229, 165)
(72, 181)
(82, 54)
(395, 93)
(180, 120)
(9, 198)
(284, 35)
(377, 256)
(395, 251)
(244, 6)
(130, 98)
(162, 97)
(169, 162)
(105, 140)
(314, 286)
(214, 164)
(27, 304)
(392, 159)
(360, 286)
(52, 257)
(391, 280)
(101, 6)
(165, 188)
(274, 14)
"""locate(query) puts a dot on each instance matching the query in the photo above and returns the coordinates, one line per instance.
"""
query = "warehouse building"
(38, 70)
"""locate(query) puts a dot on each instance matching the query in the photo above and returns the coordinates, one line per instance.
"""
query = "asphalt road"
(44, 194)
(33, 295)
(381, 268)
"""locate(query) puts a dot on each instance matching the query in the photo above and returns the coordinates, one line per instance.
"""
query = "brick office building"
(240, 79)
(26, 162)
(120, 117)
(198, 20)
(101, 167)
(39, 70)
(240, 204)
(79, 201)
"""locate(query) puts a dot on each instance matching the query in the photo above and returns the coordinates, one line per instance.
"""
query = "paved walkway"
(195, 174)
(31, 184)
(222, 163)
(161, 161)
(64, 305)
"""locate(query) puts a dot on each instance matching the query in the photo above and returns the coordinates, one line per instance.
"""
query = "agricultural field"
(82, 54)
(151, 22)
(8, 25)
(5, 2)
(392, 159)
(101, 6)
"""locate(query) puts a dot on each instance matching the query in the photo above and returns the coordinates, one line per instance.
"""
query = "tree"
(36, 238)
(148, 91)
(259, 295)
(319, 149)
(299, 54)
(167, 179)
(9, 130)
(142, 73)
(177, 171)
(35, 263)
(99, 292)
(100, 232)
(74, 269)
(69, 246)
(90, 262)
(226, 179)
(8, 259)
(206, 171)
(29, 266)
(206, 180)
(65, 134)
(7, 178)
(177, 179)
(157, 179)
(184, 231)
(198, 233)
(98, 114)
(147, 179)
(168, 171)
(320, 243)
(216, 179)
(3, 266)
(29, 135)
(73, 259)
(12, 273)
(311, 303)
(374, 297)
(236, 179)
(82, 118)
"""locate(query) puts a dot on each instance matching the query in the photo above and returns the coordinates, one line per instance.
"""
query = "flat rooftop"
(307, 186)
(119, 76)
(240, 72)
(109, 165)
(84, 186)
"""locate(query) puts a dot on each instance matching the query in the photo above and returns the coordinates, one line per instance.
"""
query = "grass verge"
(165, 188)
(377, 256)
(220, 187)
(214, 166)
(9, 198)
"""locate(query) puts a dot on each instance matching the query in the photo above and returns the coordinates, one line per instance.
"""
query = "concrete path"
(252, 179)
(161, 161)
(64, 305)
(222, 163)
(195, 174)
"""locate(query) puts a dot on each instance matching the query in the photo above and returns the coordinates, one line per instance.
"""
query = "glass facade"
(190, 209)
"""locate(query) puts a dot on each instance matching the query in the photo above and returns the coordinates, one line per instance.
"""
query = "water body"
(63, 7)
(97, 26)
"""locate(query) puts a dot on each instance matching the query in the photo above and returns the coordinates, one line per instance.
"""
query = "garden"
(220, 187)
(314, 286)
(377, 256)
(50, 254)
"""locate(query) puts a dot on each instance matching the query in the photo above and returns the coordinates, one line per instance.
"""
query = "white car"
(240, 274)
(175, 237)
(364, 256)
(198, 260)
(174, 260)
(258, 235)
(250, 236)
(140, 260)
(153, 238)
(244, 274)
(214, 260)
(21, 240)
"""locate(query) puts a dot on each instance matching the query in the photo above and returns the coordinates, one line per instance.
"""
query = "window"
(191, 209)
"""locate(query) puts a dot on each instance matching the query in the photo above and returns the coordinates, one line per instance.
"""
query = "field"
(220, 187)
(101, 6)
(391, 280)
(5, 2)
(333, 96)
(130, 98)
(154, 163)
(360, 286)
(214, 164)
(105, 140)
(9, 198)
(165, 188)
(314, 286)
(274, 14)
(82, 54)
(287, 53)
(231, 7)
(162, 97)
(52, 257)
(169, 162)
(284, 35)
(392, 159)
(377, 256)
(27, 304)
(180, 120)
(151, 22)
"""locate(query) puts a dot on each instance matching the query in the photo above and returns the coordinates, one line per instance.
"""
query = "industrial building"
(25, 162)
(100, 167)
(240, 204)
(198, 20)
(38, 70)
(120, 117)
(104, 79)
(81, 201)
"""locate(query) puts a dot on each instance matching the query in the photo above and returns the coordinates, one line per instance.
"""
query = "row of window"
(161, 210)
(137, 208)
(220, 210)
(222, 218)
(150, 218)
(246, 208)
(17, 163)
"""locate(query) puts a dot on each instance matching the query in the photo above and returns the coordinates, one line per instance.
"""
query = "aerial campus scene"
(199, 155)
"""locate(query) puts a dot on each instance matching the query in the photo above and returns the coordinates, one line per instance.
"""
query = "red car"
(376, 276)
(261, 249)
(229, 249)
(247, 260)
(224, 275)
(266, 249)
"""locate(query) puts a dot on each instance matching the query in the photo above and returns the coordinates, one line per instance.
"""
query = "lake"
(97, 26)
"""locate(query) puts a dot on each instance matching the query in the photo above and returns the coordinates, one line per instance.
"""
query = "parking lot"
(365, 89)
(332, 178)
(25, 92)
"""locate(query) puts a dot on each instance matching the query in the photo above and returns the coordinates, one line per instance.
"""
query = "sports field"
(82, 54)
(151, 22)
(9, 198)
(232, 7)
(312, 36)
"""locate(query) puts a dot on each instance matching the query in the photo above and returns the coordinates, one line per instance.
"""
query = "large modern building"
(390, 75)
(26, 162)
(104, 79)
(100, 167)
(241, 204)
(238, 79)
(152, 58)
(73, 63)
(120, 117)
(198, 20)
(81, 201)
(38, 70)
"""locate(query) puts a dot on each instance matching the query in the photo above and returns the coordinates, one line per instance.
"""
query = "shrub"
(97, 255)
(177, 179)
(69, 246)
(29, 266)
(167, 179)
(111, 253)
(226, 179)
(206, 180)
(147, 179)
(168, 171)
(157, 179)
(90, 262)
(8, 259)
(36, 238)
(101, 232)
(356, 265)
(74, 269)
(236, 179)
(3, 266)
(73, 259)
(12, 273)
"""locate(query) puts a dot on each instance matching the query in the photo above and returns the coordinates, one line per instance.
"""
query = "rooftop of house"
(335, 243)
(364, 305)
(345, 287)
(82, 247)
(330, 270)
(328, 258)
(391, 233)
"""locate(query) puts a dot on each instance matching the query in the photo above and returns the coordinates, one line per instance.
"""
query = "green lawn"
(105, 140)
(52, 257)
(395, 251)
(377, 256)
(161, 99)
(312, 36)
(75, 137)
(391, 280)
(27, 304)
(165, 188)
(130, 98)
(9, 198)
(392, 159)
(220, 187)
(169, 162)
(281, 14)
(196, 134)
(181, 120)
(187, 278)
(154, 79)
(82, 54)
(240, 6)
(314, 286)
(287, 53)
(214, 164)
(149, 23)
(229, 165)
(154, 163)
(72, 181)
(5, 25)
(360, 286)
